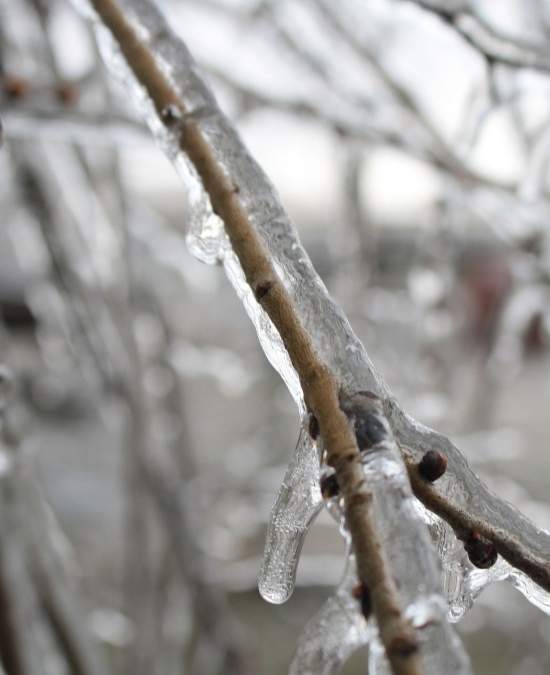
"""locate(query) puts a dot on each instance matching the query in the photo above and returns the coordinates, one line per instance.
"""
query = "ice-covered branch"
(308, 335)
(462, 499)
(534, 563)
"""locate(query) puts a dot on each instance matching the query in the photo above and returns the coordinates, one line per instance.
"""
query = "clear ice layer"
(403, 531)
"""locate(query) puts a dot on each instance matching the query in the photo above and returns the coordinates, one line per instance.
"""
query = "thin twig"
(318, 382)
(463, 522)
(84, 128)
(488, 42)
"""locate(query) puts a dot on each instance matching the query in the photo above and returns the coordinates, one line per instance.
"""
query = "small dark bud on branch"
(171, 115)
(403, 645)
(364, 409)
(67, 94)
(481, 552)
(15, 87)
(329, 486)
(313, 427)
(262, 289)
(362, 593)
(433, 465)
(369, 431)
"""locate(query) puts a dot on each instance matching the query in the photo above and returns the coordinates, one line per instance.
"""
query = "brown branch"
(464, 522)
(318, 382)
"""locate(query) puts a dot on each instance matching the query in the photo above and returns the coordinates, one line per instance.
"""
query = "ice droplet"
(334, 633)
(297, 504)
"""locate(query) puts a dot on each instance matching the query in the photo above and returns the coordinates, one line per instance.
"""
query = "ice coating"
(335, 632)
(326, 323)
(464, 489)
(422, 615)
(297, 504)
(412, 558)
(269, 338)
(329, 331)
(378, 664)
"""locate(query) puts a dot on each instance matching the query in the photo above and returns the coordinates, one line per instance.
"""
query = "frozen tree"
(423, 534)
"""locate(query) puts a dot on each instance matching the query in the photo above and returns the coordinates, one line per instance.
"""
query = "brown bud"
(329, 486)
(364, 409)
(362, 593)
(262, 289)
(67, 94)
(15, 87)
(403, 645)
(171, 115)
(369, 430)
(313, 427)
(534, 335)
(481, 552)
(433, 465)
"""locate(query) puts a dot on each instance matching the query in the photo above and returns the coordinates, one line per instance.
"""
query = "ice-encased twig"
(392, 504)
(335, 632)
(331, 336)
(483, 513)
(330, 333)
(297, 504)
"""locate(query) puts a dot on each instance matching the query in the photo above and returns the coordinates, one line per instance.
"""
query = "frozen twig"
(463, 522)
(232, 200)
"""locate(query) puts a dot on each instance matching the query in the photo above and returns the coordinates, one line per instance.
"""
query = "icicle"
(298, 502)
(335, 632)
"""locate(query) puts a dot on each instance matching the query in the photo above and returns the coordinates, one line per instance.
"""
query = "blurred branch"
(492, 44)
(33, 574)
(316, 381)
(57, 594)
(23, 121)
(319, 384)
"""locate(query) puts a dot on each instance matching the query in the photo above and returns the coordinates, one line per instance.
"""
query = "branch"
(466, 503)
(57, 594)
(183, 112)
(23, 121)
(464, 522)
(491, 44)
(19, 650)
